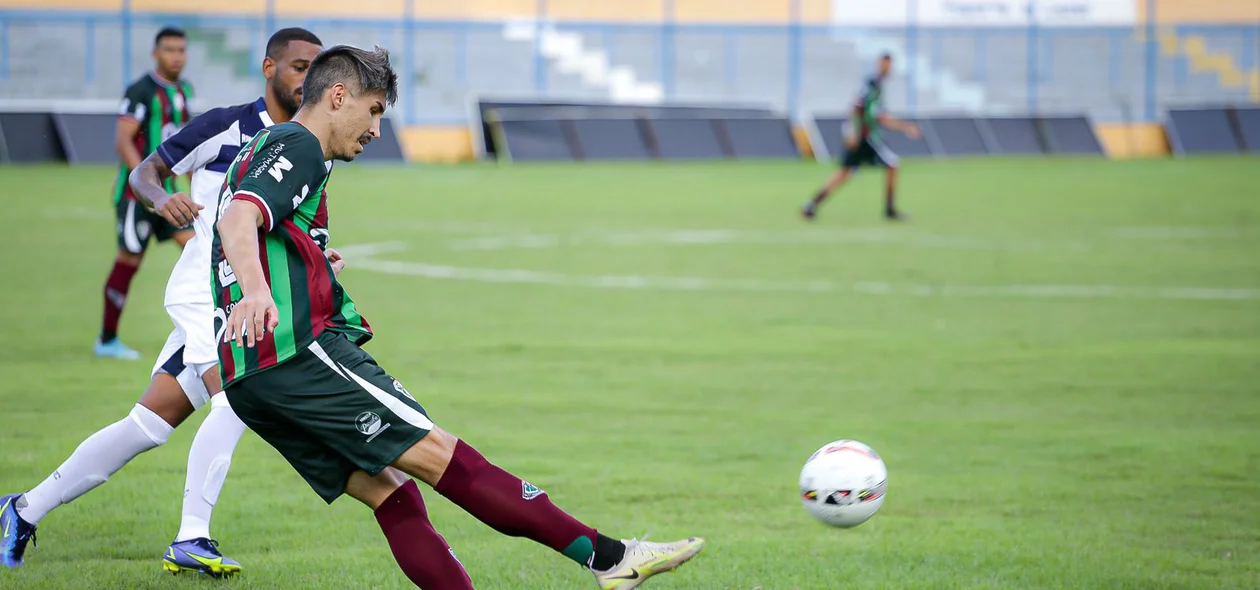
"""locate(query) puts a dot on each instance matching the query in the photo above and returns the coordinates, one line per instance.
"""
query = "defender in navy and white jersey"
(186, 374)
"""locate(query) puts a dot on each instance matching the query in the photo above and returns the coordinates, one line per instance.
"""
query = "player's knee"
(372, 491)
(428, 459)
(151, 424)
(129, 258)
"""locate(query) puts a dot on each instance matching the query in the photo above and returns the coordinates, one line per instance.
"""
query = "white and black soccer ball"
(843, 483)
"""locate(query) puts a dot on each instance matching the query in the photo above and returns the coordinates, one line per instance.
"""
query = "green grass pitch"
(1058, 359)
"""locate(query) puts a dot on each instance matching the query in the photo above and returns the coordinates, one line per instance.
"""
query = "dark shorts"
(137, 225)
(330, 411)
(869, 152)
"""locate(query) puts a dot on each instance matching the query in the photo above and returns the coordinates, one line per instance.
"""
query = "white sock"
(94, 461)
(208, 463)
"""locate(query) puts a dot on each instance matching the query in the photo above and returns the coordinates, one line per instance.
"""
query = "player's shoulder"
(292, 138)
(225, 116)
(143, 85)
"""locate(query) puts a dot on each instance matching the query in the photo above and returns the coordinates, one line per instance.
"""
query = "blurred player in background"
(294, 370)
(864, 146)
(186, 373)
(153, 109)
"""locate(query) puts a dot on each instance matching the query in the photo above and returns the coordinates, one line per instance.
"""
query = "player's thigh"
(882, 155)
(196, 322)
(132, 226)
(184, 355)
(337, 394)
(322, 467)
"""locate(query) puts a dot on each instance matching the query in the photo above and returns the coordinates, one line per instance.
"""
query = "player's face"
(170, 55)
(286, 73)
(358, 123)
(885, 66)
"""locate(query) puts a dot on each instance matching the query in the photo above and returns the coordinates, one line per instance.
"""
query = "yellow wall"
(354, 8)
(474, 9)
(1140, 140)
(201, 6)
(1202, 11)
(437, 145)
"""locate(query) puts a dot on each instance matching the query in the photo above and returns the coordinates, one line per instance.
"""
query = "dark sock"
(819, 198)
(890, 203)
(116, 287)
(608, 553)
(420, 551)
(512, 506)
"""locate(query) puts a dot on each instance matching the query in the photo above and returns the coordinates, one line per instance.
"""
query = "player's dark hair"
(171, 32)
(349, 65)
(281, 39)
(886, 56)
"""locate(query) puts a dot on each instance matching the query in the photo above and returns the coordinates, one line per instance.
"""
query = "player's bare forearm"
(147, 178)
(900, 125)
(238, 231)
(124, 142)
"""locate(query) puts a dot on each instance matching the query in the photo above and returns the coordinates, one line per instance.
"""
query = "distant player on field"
(153, 109)
(864, 146)
(185, 375)
(294, 371)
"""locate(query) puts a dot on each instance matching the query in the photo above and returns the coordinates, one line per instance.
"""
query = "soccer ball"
(843, 483)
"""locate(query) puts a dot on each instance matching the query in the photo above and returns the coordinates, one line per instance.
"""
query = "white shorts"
(190, 350)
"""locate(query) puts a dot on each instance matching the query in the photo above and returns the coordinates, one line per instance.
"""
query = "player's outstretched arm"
(146, 182)
(906, 127)
(255, 313)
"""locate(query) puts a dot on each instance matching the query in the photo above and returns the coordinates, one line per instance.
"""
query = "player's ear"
(269, 67)
(338, 95)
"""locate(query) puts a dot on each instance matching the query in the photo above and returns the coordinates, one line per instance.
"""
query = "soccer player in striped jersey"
(153, 109)
(185, 375)
(294, 371)
(864, 145)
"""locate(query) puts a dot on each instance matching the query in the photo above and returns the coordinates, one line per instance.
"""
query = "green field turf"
(1058, 359)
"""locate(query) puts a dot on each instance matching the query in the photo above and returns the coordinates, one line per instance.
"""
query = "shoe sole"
(212, 571)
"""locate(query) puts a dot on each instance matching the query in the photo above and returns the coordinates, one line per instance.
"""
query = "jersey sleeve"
(198, 143)
(281, 174)
(135, 102)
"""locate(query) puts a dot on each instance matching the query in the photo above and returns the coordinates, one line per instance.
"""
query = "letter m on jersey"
(281, 166)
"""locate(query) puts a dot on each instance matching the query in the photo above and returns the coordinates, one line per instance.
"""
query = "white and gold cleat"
(644, 560)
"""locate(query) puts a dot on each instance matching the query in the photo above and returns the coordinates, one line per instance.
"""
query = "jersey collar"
(261, 105)
(162, 81)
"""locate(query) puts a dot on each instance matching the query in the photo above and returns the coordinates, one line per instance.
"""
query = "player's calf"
(420, 551)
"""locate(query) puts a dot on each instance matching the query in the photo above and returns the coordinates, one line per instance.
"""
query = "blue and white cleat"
(199, 555)
(115, 349)
(15, 533)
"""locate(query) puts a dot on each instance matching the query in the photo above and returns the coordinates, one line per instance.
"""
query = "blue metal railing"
(1043, 80)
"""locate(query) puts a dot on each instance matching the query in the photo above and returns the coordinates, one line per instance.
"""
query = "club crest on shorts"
(368, 423)
(529, 491)
(403, 390)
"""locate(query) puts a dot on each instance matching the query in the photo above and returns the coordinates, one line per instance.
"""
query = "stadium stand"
(1206, 131)
(681, 51)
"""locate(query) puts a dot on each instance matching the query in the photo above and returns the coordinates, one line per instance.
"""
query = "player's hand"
(252, 317)
(912, 131)
(335, 259)
(851, 142)
(177, 209)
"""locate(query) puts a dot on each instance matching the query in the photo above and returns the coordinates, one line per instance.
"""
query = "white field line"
(708, 237)
(364, 256)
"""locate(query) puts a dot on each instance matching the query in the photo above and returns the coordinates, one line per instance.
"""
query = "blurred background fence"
(1114, 60)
